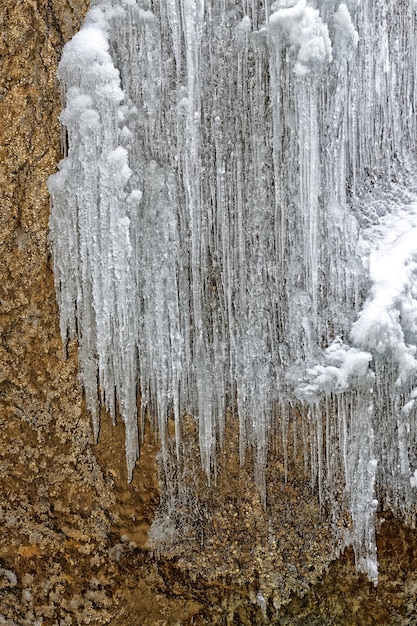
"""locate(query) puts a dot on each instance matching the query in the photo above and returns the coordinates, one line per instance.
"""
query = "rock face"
(56, 514)
(74, 544)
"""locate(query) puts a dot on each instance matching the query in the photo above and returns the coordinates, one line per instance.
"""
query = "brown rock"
(74, 545)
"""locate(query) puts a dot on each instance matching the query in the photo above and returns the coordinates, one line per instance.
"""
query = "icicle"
(236, 194)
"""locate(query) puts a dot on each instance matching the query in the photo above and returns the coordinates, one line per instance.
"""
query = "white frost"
(343, 21)
(388, 322)
(307, 34)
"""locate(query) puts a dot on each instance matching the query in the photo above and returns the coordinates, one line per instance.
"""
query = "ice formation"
(234, 222)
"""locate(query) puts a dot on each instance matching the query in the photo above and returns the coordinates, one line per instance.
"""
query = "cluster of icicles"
(234, 184)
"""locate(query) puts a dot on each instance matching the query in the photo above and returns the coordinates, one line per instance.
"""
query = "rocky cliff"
(74, 545)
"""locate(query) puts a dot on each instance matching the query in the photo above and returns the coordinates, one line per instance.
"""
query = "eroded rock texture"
(74, 545)
(57, 542)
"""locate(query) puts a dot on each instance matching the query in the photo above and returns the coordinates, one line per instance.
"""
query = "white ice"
(233, 224)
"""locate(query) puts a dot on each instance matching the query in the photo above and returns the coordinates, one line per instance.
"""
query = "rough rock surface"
(74, 544)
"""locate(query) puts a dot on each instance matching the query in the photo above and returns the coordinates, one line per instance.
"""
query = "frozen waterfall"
(234, 223)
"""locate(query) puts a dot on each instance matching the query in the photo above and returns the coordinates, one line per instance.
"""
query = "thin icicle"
(235, 176)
